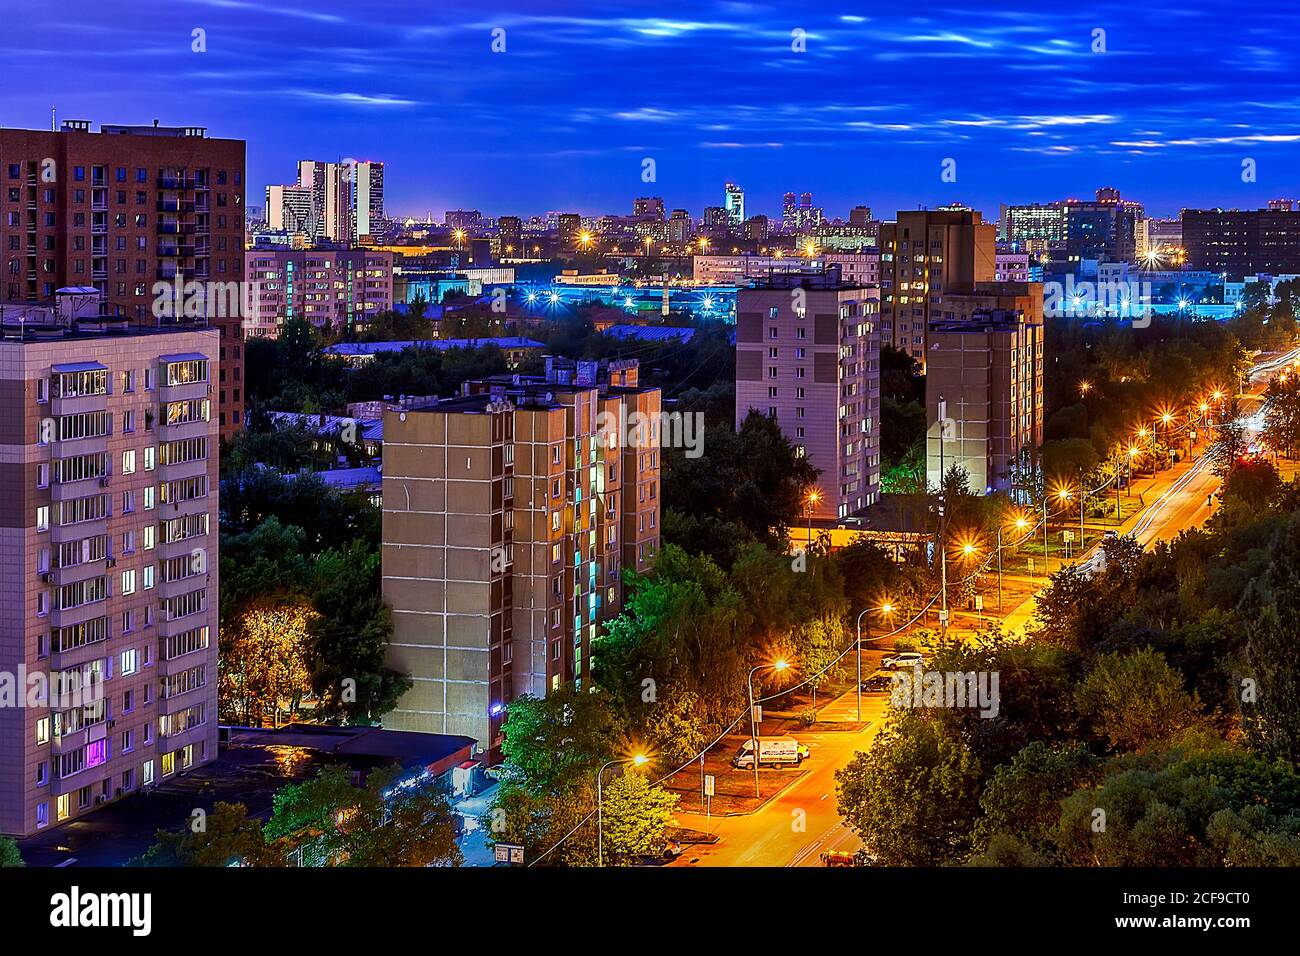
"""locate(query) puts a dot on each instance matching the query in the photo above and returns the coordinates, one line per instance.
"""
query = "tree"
(539, 821)
(913, 797)
(263, 661)
(1281, 413)
(1137, 700)
(227, 836)
(1231, 444)
(1022, 800)
(348, 638)
(635, 815)
(1271, 702)
(379, 824)
(551, 740)
(9, 855)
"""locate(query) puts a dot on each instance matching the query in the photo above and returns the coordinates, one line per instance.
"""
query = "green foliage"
(1271, 606)
(913, 798)
(226, 837)
(538, 821)
(9, 855)
(378, 824)
(748, 486)
(635, 816)
(1136, 700)
(551, 741)
(1021, 801)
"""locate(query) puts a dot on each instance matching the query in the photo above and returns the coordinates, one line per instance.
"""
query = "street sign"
(509, 853)
(979, 602)
(758, 714)
(1067, 535)
(708, 785)
(1031, 565)
(943, 617)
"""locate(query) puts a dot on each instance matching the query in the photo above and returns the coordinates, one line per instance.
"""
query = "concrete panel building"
(985, 373)
(509, 516)
(925, 254)
(339, 288)
(108, 562)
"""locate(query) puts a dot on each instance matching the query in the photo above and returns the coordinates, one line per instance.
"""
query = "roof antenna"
(54, 123)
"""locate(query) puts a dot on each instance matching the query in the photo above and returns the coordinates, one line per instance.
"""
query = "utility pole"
(943, 521)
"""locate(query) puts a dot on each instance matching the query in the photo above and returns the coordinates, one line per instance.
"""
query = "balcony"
(171, 589)
(66, 617)
(181, 430)
(184, 469)
(191, 506)
(63, 533)
(177, 549)
(180, 182)
(76, 572)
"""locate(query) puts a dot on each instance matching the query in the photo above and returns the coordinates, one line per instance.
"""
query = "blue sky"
(711, 91)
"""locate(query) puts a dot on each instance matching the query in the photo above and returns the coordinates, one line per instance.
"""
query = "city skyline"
(711, 93)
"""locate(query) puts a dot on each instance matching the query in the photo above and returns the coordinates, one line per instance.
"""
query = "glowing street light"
(886, 609)
(637, 760)
(779, 665)
(1085, 387)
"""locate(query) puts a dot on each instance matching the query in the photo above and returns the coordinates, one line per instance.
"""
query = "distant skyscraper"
(367, 188)
(734, 203)
(331, 199)
(650, 207)
(860, 216)
(569, 228)
(289, 209)
(510, 236)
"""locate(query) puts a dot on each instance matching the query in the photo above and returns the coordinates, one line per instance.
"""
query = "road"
(795, 827)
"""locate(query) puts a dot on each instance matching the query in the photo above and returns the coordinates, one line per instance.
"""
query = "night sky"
(711, 91)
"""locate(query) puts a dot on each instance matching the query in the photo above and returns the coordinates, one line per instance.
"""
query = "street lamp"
(814, 496)
(886, 609)
(778, 666)
(636, 760)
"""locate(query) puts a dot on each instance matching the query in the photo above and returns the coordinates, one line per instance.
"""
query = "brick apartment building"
(343, 288)
(108, 560)
(508, 519)
(815, 368)
(121, 210)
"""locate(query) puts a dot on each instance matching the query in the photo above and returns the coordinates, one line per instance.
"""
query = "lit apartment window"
(42, 815)
(64, 808)
(128, 462)
(42, 731)
(43, 518)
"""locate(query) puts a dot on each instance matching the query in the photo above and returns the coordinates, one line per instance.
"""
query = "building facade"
(1242, 242)
(924, 255)
(136, 212)
(337, 288)
(808, 355)
(984, 386)
(108, 552)
(509, 517)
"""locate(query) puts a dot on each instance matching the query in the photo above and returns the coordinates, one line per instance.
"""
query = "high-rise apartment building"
(808, 355)
(924, 255)
(510, 236)
(1035, 227)
(343, 289)
(984, 386)
(1242, 242)
(290, 208)
(138, 213)
(569, 229)
(367, 188)
(1104, 229)
(331, 194)
(509, 515)
(108, 560)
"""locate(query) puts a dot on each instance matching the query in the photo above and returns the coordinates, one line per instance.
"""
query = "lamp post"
(885, 609)
(810, 502)
(637, 760)
(778, 666)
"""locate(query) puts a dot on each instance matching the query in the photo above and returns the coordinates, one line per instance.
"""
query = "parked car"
(1110, 535)
(902, 661)
(878, 681)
